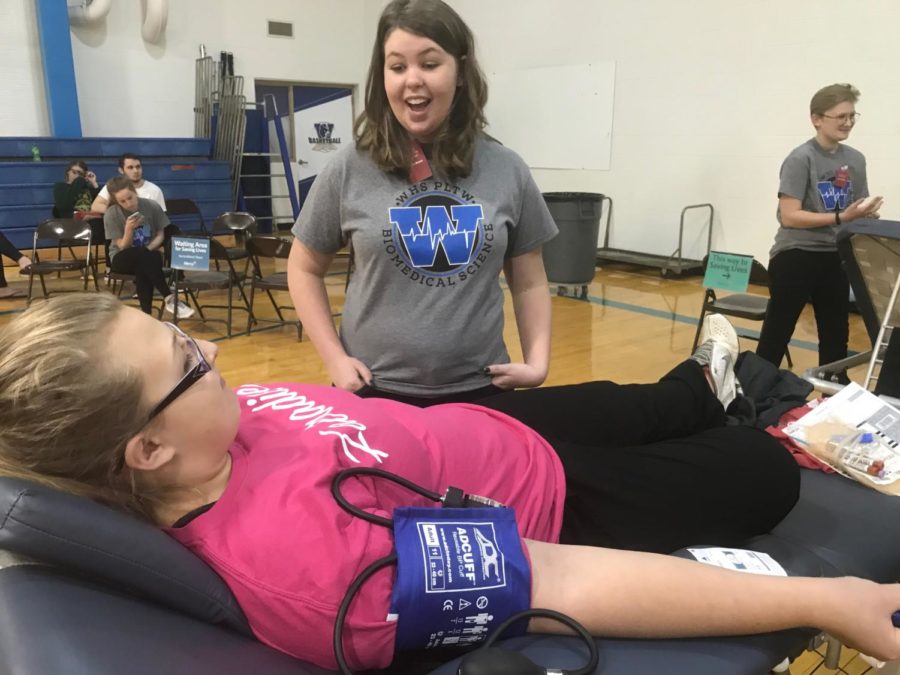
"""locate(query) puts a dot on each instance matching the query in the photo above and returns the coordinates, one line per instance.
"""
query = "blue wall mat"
(19, 147)
(154, 170)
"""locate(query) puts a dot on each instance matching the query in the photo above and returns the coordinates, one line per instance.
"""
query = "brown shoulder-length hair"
(377, 130)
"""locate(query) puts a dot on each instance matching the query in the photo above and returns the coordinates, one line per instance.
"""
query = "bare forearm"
(99, 205)
(156, 242)
(531, 301)
(629, 594)
(533, 318)
(803, 220)
(314, 310)
(126, 240)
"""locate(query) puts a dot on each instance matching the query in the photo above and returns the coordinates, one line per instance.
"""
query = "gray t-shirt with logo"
(155, 221)
(821, 180)
(424, 309)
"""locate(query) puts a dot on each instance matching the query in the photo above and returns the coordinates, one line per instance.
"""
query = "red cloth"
(802, 457)
(86, 215)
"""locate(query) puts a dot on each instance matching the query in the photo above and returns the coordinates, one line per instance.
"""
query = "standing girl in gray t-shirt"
(434, 211)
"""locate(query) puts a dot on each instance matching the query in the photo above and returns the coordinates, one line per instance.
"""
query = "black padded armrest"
(55, 623)
(113, 548)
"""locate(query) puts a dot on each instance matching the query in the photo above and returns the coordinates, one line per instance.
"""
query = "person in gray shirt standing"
(823, 184)
(435, 211)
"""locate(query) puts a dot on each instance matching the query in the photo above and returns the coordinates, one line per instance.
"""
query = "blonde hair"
(66, 412)
(834, 94)
(378, 131)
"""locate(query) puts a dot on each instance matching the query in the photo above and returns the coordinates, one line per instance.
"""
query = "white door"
(323, 124)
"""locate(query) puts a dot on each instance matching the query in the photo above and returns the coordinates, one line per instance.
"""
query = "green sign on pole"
(728, 272)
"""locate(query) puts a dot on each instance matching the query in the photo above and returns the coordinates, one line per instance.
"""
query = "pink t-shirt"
(288, 551)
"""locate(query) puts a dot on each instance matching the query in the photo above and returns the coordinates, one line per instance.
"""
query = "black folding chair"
(269, 247)
(187, 212)
(741, 305)
(194, 282)
(61, 231)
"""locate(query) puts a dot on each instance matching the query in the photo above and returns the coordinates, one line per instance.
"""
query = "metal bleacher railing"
(262, 180)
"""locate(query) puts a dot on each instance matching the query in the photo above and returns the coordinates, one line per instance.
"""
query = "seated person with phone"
(136, 230)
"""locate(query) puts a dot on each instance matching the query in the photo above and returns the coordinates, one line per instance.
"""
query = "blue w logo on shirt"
(833, 196)
(423, 235)
(140, 237)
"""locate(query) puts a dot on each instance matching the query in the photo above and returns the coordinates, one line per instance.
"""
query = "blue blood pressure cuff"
(460, 573)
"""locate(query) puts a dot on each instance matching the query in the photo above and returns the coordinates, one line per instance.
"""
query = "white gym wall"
(709, 96)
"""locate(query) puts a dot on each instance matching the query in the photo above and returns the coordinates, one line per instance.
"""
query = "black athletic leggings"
(795, 278)
(147, 268)
(652, 467)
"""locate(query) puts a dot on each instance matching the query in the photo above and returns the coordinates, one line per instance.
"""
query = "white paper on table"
(856, 408)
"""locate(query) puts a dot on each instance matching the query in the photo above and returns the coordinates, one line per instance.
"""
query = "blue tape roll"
(460, 574)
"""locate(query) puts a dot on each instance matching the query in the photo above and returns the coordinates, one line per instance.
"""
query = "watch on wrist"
(837, 218)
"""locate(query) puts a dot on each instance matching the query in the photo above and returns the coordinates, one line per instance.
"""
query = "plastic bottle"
(854, 451)
(35, 153)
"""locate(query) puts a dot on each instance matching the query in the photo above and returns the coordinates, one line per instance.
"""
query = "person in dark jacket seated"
(76, 193)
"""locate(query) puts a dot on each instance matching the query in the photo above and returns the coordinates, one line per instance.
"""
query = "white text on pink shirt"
(302, 408)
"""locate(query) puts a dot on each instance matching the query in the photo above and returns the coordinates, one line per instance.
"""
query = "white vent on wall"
(281, 29)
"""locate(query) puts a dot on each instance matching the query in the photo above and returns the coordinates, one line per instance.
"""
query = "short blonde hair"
(66, 410)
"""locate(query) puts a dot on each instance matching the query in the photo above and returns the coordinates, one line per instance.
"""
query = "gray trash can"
(571, 256)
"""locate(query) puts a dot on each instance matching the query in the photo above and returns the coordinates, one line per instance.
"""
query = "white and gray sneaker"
(184, 311)
(718, 351)
(717, 327)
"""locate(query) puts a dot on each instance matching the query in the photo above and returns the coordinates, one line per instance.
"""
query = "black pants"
(147, 268)
(652, 467)
(797, 277)
(473, 396)
(10, 251)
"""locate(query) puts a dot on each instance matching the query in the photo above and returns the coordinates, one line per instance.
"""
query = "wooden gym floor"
(633, 327)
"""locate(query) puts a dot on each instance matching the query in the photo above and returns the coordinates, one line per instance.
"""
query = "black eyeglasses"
(846, 117)
(196, 366)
